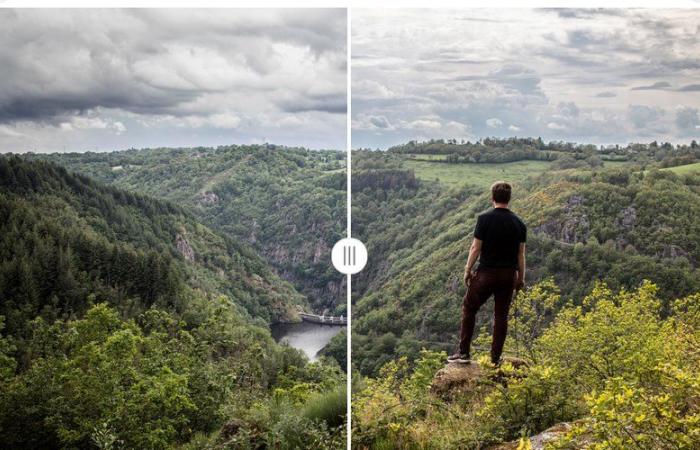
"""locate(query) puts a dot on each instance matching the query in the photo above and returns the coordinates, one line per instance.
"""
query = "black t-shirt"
(501, 233)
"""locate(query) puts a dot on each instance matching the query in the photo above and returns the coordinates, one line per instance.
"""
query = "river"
(305, 336)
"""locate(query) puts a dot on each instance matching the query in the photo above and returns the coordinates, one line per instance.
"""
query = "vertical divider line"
(348, 227)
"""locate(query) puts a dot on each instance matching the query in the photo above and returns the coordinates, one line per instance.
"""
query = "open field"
(477, 174)
(685, 169)
(484, 174)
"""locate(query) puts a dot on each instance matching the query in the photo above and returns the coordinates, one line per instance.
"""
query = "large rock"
(457, 378)
(537, 441)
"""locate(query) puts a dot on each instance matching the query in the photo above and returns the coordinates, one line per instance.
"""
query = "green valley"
(287, 203)
(128, 322)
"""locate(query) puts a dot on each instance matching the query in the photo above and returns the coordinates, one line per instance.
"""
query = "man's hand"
(468, 275)
(519, 284)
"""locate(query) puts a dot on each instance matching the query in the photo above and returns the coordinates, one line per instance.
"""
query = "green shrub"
(329, 407)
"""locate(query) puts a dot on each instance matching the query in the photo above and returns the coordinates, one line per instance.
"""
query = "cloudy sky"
(78, 80)
(610, 76)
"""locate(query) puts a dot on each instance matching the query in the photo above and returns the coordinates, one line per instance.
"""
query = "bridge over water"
(325, 320)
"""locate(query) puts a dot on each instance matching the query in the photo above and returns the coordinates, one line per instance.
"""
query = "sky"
(102, 80)
(587, 76)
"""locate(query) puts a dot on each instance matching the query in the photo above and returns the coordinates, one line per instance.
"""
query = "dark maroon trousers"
(499, 282)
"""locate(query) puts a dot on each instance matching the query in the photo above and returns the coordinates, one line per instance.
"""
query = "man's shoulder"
(487, 214)
(519, 219)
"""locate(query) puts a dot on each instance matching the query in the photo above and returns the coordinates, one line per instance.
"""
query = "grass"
(482, 175)
(685, 169)
(328, 406)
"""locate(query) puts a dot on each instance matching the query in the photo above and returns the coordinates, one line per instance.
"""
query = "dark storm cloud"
(332, 104)
(690, 88)
(207, 69)
(583, 13)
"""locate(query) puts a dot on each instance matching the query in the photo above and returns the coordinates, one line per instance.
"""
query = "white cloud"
(494, 122)
(555, 126)
(558, 74)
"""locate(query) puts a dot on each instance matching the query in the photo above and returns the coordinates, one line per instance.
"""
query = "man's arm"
(474, 252)
(520, 283)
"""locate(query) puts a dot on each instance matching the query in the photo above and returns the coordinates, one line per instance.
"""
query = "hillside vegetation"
(595, 233)
(287, 203)
(126, 323)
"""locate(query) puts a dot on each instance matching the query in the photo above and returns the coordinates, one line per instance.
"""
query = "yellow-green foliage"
(396, 410)
(630, 377)
(660, 410)
(610, 335)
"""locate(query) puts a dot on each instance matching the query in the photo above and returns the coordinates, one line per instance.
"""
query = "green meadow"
(685, 169)
(483, 174)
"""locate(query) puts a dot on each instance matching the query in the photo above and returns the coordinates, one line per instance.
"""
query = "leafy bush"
(329, 407)
(626, 375)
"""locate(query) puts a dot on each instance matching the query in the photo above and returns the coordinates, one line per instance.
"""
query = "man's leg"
(502, 299)
(476, 296)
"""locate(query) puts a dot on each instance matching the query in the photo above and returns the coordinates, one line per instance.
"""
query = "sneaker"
(462, 358)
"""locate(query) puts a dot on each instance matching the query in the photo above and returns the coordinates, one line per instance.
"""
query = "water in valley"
(305, 336)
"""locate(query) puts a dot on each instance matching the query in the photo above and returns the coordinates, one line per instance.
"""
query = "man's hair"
(500, 192)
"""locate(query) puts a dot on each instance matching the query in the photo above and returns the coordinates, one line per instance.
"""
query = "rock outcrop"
(184, 247)
(538, 441)
(207, 198)
(457, 378)
(572, 226)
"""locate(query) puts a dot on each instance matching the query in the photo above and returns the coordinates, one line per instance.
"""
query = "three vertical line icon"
(349, 255)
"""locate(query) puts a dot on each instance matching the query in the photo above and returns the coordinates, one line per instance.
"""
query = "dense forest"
(287, 203)
(125, 322)
(612, 253)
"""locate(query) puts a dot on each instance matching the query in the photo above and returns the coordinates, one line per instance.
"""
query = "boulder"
(456, 378)
(540, 441)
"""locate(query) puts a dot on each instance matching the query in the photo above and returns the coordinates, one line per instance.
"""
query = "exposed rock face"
(184, 247)
(321, 251)
(538, 441)
(673, 251)
(207, 198)
(286, 258)
(627, 218)
(573, 227)
(456, 378)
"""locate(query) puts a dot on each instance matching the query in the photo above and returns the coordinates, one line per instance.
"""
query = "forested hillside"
(287, 203)
(607, 349)
(125, 322)
(617, 225)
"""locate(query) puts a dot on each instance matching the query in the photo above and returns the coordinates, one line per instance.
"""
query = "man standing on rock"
(499, 244)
